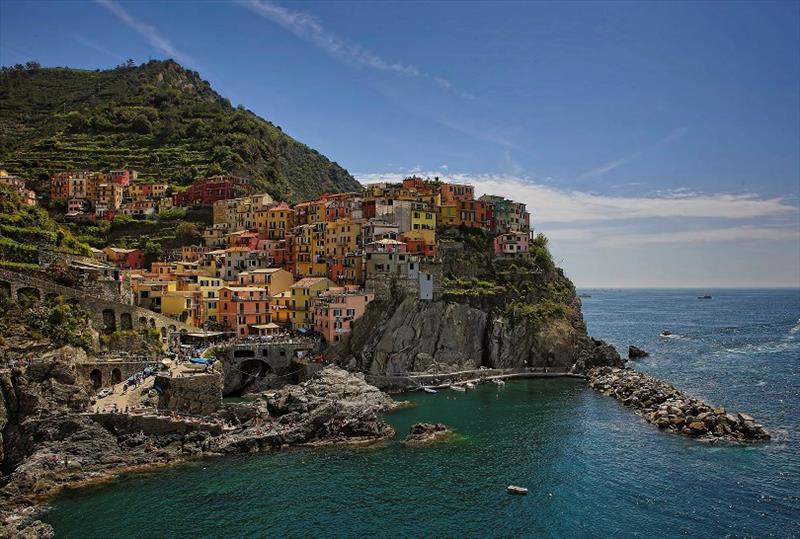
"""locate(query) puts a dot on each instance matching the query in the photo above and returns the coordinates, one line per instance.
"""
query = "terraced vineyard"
(159, 119)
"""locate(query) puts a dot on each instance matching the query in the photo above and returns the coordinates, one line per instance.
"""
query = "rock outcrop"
(489, 312)
(670, 409)
(427, 432)
(50, 441)
(634, 352)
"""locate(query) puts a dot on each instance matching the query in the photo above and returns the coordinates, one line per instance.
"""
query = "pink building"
(511, 245)
(336, 309)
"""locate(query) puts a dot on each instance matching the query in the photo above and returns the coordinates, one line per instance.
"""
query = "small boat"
(666, 333)
(514, 489)
(470, 385)
(428, 389)
(704, 297)
(458, 388)
(584, 295)
(499, 382)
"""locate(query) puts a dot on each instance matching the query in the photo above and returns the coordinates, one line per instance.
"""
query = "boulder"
(427, 432)
(634, 352)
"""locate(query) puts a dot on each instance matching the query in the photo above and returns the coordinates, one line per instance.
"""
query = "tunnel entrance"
(116, 376)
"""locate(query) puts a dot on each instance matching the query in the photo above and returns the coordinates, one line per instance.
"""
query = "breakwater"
(670, 409)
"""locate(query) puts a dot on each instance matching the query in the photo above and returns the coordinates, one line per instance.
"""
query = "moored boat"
(428, 389)
(458, 388)
(514, 489)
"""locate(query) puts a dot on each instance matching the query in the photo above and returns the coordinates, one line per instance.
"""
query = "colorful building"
(125, 258)
(511, 244)
(302, 292)
(274, 280)
(208, 191)
(336, 309)
(240, 307)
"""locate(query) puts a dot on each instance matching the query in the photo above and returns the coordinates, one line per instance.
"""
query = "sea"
(593, 469)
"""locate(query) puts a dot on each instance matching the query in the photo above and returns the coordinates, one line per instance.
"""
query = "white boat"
(458, 388)
(429, 390)
(470, 385)
(499, 382)
(514, 489)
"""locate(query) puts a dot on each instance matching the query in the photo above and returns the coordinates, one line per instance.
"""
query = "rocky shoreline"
(672, 410)
(427, 432)
(51, 443)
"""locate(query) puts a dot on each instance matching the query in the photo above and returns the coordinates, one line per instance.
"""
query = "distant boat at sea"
(584, 295)
(704, 297)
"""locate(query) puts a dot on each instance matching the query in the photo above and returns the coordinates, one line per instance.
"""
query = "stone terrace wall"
(152, 425)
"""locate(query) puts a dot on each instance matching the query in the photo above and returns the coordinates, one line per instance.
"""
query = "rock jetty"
(427, 432)
(672, 410)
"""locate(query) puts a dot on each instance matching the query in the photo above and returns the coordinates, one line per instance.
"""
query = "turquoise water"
(593, 469)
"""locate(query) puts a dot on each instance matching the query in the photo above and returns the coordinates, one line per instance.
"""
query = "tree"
(187, 233)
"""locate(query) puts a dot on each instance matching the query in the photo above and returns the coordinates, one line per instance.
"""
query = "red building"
(122, 178)
(241, 307)
(418, 246)
(208, 191)
(125, 258)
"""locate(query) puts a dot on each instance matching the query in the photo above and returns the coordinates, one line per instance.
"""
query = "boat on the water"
(704, 297)
(666, 333)
(499, 382)
(428, 389)
(514, 489)
(584, 295)
(458, 388)
(470, 385)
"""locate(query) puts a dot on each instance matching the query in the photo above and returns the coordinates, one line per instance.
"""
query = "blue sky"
(657, 144)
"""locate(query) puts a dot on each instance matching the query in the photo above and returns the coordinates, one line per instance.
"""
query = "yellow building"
(275, 280)
(302, 292)
(423, 222)
(209, 295)
(309, 250)
(182, 306)
(448, 214)
(279, 308)
(341, 237)
(274, 221)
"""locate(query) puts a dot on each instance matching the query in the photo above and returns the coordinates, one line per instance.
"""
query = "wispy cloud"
(485, 135)
(707, 235)
(308, 27)
(150, 34)
(616, 163)
(86, 42)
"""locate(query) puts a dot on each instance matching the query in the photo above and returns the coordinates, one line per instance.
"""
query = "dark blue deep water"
(593, 468)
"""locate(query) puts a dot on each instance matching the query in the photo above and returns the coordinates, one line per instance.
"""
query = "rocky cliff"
(495, 313)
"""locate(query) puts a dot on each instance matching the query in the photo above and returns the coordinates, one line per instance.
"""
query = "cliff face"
(493, 313)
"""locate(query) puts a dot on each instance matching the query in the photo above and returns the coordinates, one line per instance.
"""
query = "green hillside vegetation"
(157, 118)
(24, 230)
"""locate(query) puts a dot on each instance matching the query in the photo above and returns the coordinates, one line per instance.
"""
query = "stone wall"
(199, 394)
(152, 425)
(109, 372)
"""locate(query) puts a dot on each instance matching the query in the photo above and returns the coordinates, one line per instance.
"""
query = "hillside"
(157, 118)
(25, 230)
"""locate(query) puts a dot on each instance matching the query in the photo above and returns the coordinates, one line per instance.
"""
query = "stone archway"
(52, 296)
(125, 321)
(163, 332)
(116, 376)
(97, 378)
(153, 323)
(109, 320)
(5, 289)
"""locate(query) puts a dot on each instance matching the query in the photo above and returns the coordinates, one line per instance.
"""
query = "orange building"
(241, 307)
